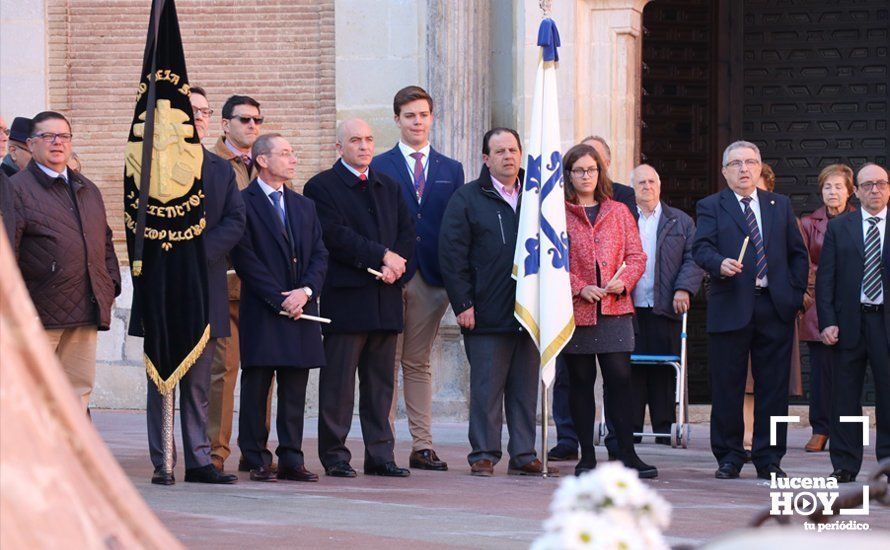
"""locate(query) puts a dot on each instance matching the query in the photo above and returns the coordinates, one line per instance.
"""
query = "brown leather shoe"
(533, 468)
(816, 444)
(300, 473)
(427, 460)
(263, 473)
(482, 468)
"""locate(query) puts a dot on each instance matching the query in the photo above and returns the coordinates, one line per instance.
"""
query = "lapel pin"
(772, 202)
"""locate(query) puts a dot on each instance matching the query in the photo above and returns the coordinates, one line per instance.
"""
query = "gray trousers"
(503, 376)
(193, 389)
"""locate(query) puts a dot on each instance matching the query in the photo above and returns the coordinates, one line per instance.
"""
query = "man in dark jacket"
(366, 224)
(661, 297)
(18, 155)
(64, 250)
(281, 261)
(476, 248)
(428, 179)
(224, 214)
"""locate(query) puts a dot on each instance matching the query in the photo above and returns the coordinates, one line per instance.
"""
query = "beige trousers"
(76, 349)
(424, 306)
(223, 377)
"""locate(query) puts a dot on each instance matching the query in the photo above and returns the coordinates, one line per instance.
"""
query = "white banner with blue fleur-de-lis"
(541, 263)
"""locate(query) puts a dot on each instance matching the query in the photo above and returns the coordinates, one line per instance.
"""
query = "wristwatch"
(308, 291)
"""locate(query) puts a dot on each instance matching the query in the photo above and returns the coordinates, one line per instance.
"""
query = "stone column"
(458, 76)
(608, 65)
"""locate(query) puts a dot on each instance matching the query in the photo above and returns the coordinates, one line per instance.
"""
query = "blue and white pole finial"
(548, 35)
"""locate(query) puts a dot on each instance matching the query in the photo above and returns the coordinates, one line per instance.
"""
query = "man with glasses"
(282, 261)
(851, 289)
(752, 305)
(241, 123)
(18, 155)
(224, 214)
(64, 250)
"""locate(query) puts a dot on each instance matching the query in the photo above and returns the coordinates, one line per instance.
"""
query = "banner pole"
(545, 419)
(167, 431)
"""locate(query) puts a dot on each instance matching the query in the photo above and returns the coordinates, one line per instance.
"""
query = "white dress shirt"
(268, 190)
(882, 227)
(407, 151)
(355, 172)
(755, 207)
(644, 292)
(52, 173)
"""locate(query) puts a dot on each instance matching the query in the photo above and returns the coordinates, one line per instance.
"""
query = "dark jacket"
(8, 166)
(65, 253)
(813, 228)
(839, 279)
(721, 230)
(271, 259)
(625, 194)
(224, 214)
(444, 177)
(360, 221)
(675, 269)
(476, 248)
(7, 206)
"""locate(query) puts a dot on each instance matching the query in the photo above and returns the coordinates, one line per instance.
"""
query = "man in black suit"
(281, 261)
(366, 224)
(851, 289)
(566, 447)
(752, 306)
(224, 213)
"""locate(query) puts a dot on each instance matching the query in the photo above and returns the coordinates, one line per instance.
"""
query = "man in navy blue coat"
(752, 307)
(224, 213)
(281, 261)
(366, 224)
(427, 179)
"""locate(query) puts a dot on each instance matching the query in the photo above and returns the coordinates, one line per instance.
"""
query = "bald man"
(366, 224)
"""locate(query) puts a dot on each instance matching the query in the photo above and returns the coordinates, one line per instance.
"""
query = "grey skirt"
(610, 334)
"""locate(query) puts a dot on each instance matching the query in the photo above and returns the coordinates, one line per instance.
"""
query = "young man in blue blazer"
(427, 180)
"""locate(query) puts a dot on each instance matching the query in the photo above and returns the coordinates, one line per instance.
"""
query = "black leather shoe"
(748, 456)
(340, 469)
(300, 473)
(585, 465)
(263, 473)
(727, 470)
(388, 469)
(562, 452)
(427, 460)
(243, 466)
(644, 471)
(208, 474)
(841, 475)
(160, 477)
(766, 473)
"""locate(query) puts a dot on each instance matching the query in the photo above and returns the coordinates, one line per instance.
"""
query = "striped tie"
(871, 281)
(419, 179)
(756, 239)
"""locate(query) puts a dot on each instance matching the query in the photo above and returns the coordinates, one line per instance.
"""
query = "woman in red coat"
(603, 236)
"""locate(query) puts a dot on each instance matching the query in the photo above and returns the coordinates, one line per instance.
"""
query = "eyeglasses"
(579, 172)
(737, 164)
(281, 154)
(49, 137)
(867, 186)
(258, 120)
(206, 113)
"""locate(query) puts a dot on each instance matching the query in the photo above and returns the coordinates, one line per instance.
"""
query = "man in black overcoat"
(366, 224)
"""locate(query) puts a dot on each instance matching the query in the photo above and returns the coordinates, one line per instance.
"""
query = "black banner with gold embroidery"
(164, 209)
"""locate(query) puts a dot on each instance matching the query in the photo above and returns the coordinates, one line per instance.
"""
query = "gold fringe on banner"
(168, 385)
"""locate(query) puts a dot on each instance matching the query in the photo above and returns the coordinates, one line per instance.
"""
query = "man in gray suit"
(661, 297)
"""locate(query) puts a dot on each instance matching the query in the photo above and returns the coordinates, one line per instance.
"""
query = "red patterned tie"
(419, 179)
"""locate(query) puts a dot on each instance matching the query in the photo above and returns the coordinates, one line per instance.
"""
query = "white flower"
(621, 486)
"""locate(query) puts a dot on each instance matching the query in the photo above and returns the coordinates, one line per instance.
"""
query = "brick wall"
(280, 52)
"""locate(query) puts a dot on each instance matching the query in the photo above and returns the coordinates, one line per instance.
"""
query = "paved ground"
(432, 509)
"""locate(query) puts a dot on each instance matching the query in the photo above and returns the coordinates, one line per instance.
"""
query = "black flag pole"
(148, 137)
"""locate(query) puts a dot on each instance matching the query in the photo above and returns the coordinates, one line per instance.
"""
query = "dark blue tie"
(276, 198)
(756, 239)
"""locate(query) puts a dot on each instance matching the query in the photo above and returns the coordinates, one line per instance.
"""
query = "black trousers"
(373, 355)
(253, 433)
(767, 339)
(616, 384)
(849, 375)
(654, 384)
(822, 360)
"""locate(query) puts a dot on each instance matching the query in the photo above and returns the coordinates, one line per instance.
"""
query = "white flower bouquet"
(606, 508)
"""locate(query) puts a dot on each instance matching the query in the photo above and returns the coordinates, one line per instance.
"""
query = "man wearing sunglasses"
(64, 250)
(241, 123)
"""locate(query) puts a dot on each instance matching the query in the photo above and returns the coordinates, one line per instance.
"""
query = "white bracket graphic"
(864, 421)
(773, 420)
